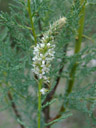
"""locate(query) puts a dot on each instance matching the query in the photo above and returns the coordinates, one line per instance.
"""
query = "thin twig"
(14, 107)
(89, 38)
(39, 22)
(31, 20)
(50, 95)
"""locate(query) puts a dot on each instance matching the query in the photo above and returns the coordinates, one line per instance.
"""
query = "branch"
(62, 109)
(89, 38)
(50, 95)
(76, 50)
(39, 22)
(13, 105)
(31, 20)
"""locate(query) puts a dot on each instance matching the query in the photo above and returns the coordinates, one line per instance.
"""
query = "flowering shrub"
(47, 73)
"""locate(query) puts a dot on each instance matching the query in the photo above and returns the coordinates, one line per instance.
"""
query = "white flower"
(48, 44)
(42, 45)
(43, 55)
(43, 91)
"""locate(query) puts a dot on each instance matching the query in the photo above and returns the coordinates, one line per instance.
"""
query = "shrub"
(41, 43)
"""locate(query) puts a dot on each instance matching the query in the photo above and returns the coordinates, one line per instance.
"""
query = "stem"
(77, 48)
(62, 109)
(14, 107)
(47, 115)
(80, 29)
(39, 23)
(51, 94)
(49, 97)
(31, 20)
(89, 38)
(39, 102)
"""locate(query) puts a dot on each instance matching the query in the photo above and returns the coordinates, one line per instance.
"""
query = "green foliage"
(16, 53)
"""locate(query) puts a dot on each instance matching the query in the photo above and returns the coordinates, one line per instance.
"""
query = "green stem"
(39, 102)
(89, 38)
(80, 29)
(31, 20)
(77, 48)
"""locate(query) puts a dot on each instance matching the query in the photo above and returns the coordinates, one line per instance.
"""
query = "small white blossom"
(43, 91)
(42, 45)
(48, 44)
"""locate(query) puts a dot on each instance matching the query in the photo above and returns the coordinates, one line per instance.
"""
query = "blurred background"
(4, 5)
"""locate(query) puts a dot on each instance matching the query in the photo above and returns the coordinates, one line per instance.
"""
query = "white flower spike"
(43, 55)
(44, 52)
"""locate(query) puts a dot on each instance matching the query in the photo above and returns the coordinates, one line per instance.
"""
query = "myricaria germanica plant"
(48, 63)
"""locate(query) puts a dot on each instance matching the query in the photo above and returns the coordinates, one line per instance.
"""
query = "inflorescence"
(43, 56)
(45, 50)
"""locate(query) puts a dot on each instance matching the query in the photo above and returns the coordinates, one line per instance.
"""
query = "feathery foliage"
(74, 63)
